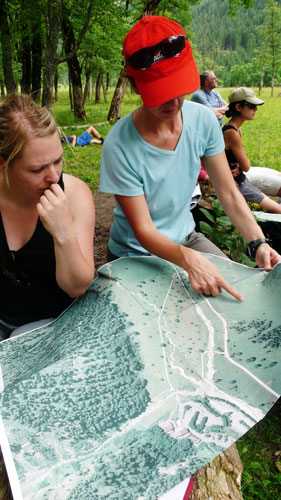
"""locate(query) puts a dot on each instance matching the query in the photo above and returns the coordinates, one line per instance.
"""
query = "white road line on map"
(210, 328)
(249, 373)
(226, 395)
(138, 296)
(162, 340)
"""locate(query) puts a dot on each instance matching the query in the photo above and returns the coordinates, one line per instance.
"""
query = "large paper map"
(139, 383)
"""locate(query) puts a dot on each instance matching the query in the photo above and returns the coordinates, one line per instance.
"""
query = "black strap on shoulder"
(228, 127)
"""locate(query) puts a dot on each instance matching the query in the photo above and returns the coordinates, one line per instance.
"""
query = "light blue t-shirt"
(132, 167)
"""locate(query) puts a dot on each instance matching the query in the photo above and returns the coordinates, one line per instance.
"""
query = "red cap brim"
(182, 81)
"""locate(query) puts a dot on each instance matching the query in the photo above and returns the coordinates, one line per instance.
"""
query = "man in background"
(208, 96)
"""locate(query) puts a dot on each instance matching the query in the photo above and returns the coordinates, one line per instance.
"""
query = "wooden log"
(220, 479)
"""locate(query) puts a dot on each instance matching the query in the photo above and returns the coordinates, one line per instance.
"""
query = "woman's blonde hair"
(20, 119)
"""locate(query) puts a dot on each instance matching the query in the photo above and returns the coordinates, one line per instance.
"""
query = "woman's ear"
(238, 107)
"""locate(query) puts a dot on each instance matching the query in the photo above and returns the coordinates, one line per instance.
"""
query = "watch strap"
(254, 244)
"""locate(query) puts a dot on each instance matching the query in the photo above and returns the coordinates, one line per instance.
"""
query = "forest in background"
(238, 48)
(48, 43)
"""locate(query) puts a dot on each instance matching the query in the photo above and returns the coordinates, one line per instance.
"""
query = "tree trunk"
(104, 90)
(98, 87)
(78, 106)
(261, 80)
(220, 479)
(150, 7)
(90, 87)
(56, 81)
(272, 86)
(6, 49)
(48, 84)
(272, 74)
(87, 88)
(36, 49)
(2, 86)
(115, 107)
(53, 18)
(25, 58)
(74, 69)
(107, 81)
(70, 94)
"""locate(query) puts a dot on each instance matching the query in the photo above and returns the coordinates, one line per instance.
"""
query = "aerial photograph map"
(139, 383)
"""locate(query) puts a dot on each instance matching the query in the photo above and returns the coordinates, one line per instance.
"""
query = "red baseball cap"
(167, 77)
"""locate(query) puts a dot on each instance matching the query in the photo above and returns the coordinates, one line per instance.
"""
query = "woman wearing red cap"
(151, 162)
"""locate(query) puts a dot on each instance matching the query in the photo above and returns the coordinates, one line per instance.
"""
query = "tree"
(231, 41)
(234, 4)
(36, 51)
(6, 48)
(74, 69)
(54, 15)
(52, 10)
(271, 49)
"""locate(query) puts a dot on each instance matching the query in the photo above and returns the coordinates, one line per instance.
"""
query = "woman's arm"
(69, 216)
(233, 140)
(237, 209)
(203, 274)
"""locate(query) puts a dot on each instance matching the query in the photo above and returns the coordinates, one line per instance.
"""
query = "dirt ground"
(104, 204)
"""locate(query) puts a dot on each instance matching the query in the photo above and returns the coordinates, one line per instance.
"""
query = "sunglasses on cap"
(169, 47)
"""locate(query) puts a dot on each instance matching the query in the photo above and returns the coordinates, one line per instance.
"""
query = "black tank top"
(28, 287)
(231, 157)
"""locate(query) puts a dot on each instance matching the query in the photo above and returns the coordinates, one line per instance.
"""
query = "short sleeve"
(119, 174)
(214, 136)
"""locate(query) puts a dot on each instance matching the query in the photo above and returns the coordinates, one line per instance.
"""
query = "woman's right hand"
(54, 212)
(204, 276)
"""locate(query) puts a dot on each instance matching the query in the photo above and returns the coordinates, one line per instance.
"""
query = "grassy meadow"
(260, 448)
(261, 137)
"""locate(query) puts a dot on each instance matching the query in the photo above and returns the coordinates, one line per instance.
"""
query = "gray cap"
(244, 94)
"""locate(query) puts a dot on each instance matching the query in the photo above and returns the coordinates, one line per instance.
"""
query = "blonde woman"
(46, 220)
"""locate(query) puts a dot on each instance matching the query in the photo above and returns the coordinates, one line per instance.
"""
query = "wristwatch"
(254, 245)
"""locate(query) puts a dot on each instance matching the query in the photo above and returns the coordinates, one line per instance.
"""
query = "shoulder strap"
(228, 127)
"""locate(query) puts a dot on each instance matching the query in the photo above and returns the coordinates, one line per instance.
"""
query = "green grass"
(260, 452)
(84, 162)
(261, 137)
